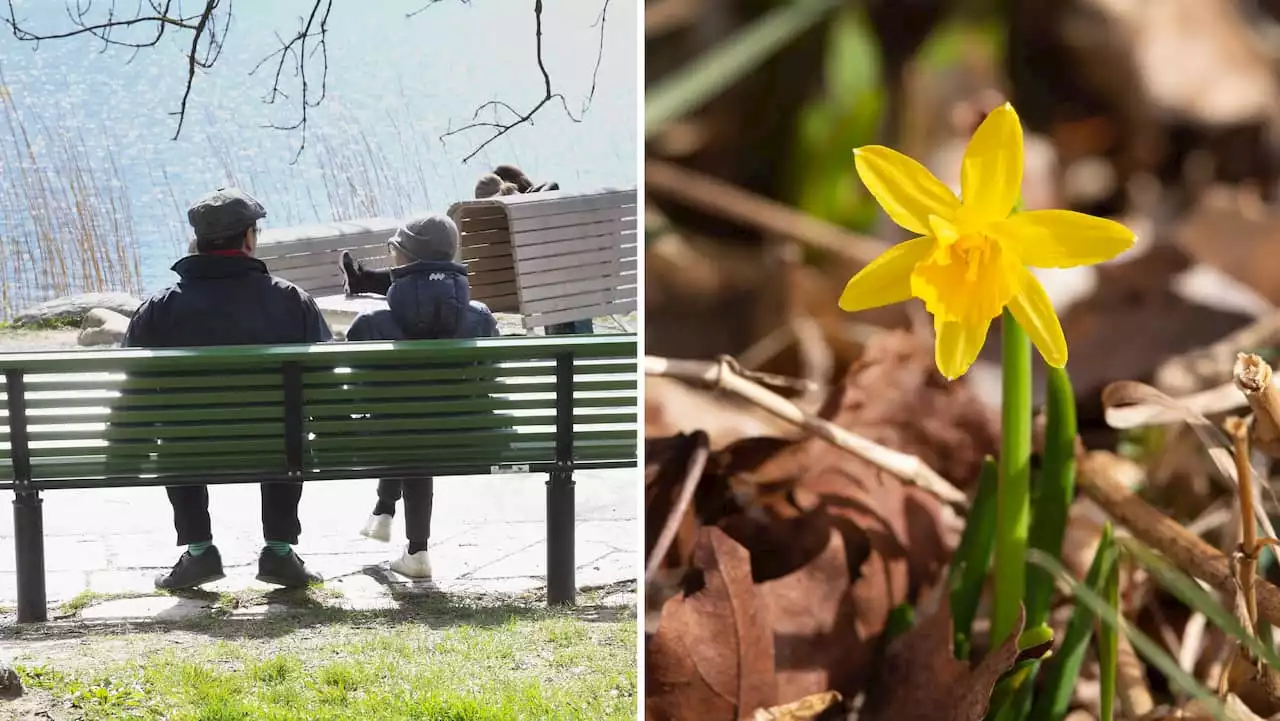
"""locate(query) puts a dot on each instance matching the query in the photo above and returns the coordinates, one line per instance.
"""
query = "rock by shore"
(71, 310)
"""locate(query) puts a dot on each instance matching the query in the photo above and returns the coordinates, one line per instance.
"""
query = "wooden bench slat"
(625, 244)
(620, 307)
(609, 254)
(622, 272)
(623, 231)
(619, 285)
(573, 218)
(532, 205)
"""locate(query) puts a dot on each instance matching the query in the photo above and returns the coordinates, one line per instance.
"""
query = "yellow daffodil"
(971, 257)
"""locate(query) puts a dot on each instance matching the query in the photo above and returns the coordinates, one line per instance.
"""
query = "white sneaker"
(413, 565)
(378, 527)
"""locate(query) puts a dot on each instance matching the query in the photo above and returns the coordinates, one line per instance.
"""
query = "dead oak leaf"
(921, 680)
(712, 655)
(818, 707)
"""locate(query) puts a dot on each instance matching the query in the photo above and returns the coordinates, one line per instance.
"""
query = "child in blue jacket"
(429, 298)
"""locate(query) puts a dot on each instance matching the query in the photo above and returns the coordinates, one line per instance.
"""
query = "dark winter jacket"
(226, 300)
(427, 299)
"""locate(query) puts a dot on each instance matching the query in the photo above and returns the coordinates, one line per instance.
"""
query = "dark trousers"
(279, 512)
(418, 494)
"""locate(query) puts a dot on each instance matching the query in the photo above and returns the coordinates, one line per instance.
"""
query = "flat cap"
(224, 212)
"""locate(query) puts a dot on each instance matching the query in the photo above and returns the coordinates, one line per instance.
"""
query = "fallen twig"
(725, 374)
(1097, 480)
(1252, 376)
(725, 200)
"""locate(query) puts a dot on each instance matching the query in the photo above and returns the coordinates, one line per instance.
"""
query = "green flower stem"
(1013, 495)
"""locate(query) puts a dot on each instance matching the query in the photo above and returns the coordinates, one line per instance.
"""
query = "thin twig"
(1239, 432)
(724, 375)
(1097, 481)
(1252, 376)
(725, 200)
(693, 474)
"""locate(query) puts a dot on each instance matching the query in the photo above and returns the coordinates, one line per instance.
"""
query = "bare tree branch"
(498, 128)
(296, 50)
(208, 29)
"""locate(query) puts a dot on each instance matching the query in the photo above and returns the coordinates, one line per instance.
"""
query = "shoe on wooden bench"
(288, 570)
(191, 571)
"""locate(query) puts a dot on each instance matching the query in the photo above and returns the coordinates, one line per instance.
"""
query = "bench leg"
(561, 585)
(28, 534)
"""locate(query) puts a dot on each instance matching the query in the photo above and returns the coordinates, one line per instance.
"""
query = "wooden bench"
(552, 257)
(308, 256)
(134, 417)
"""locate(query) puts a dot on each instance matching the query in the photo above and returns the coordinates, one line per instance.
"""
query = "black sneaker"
(288, 571)
(191, 571)
(350, 268)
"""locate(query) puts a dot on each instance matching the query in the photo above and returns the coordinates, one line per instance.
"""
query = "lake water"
(91, 176)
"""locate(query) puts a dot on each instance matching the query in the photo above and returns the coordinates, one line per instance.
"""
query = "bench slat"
(621, 307)
(620, 270)
(625, 244)
(572, 218)
(622, 230)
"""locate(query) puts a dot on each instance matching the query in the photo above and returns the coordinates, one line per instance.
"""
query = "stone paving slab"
(488, 536)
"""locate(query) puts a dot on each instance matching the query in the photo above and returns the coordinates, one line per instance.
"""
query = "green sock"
(199, 547)
(280, 547)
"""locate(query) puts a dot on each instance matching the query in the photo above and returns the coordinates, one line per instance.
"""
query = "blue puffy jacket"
(427, 299)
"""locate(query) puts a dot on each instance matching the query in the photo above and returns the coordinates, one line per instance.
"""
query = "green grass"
(505, 662)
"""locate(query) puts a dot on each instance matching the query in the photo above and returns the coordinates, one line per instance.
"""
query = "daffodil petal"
(904, 188)
(957, 345)
(1034, 312)
(991, 174)
(887, 279)
(1061, 238)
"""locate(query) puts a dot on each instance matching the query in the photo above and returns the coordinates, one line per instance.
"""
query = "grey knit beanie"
(427, 237)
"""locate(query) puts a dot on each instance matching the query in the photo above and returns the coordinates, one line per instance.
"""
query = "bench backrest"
(307, 256)
(343, 410)
(553, 257)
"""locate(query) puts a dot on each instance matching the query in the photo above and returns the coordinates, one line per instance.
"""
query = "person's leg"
(418, 496)
(357, 279)
(378, 525)
(389, 492)
(201, 563)
(278, 563)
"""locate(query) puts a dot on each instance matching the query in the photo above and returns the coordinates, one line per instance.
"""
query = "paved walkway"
(488, 535)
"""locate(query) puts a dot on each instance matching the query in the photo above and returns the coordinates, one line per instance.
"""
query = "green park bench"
(244, 414)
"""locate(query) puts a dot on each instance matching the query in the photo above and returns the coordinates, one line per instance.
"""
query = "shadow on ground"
(285, 611)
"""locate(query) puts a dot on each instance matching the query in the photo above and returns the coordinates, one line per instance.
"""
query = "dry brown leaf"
(1257, 685)
(818, 707)
(712, 655)
(921, 680)
(834, 542)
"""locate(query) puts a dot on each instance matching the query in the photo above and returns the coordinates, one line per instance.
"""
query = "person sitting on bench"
(504, 180)
(225, 296)
(428, 298)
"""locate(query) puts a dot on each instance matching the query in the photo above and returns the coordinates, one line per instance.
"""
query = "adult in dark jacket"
(225, 296)
(428, 298)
